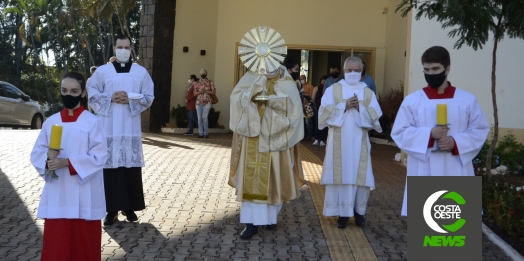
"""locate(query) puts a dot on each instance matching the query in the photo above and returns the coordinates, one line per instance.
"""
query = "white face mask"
(189, 81)
(122, 55)
(352, 77)
(302, 81)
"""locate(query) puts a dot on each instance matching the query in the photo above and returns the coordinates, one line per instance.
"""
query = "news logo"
(439, 212)
(445, 218)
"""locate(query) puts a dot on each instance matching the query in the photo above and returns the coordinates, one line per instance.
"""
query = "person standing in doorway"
(191, 105)
(203, 89)
(320, 135)
(118, 93)
(308, 91)
(368, 80)
(334, 72)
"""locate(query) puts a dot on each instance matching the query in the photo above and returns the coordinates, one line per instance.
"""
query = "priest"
(350, 110)
(118, 93)
(416, 131)
(266, 169)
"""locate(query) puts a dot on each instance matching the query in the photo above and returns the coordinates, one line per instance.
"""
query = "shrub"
(180, 115)
(390, 103)
(502, 203)
(508, 152)
(213, 118)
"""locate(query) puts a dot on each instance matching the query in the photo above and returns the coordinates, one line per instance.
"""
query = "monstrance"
(262, 51)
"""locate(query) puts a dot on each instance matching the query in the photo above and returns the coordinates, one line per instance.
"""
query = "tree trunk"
(133, 53)
(18, 52)
(112, 38)
(494, 98)
(102, 47)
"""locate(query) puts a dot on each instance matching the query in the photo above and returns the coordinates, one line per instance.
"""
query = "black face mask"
(295, 75)
(435, 80)
(335, 75)
(203, 76)
(71, 102)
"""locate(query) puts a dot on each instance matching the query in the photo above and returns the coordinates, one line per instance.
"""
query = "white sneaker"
(322, 144)
(315, 143)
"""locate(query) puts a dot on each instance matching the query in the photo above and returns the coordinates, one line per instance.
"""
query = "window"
(11, 92)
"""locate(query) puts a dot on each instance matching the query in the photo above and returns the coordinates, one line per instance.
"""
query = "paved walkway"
(192, 214)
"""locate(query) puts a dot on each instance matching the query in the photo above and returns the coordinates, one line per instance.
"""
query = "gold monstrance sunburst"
(262, 52)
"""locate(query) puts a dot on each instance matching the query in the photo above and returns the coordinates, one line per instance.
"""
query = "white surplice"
(412, 129)
(78, 196)
(122, 122)
(351, 147)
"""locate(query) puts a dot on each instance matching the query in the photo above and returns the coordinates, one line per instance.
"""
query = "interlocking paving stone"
(188, 201)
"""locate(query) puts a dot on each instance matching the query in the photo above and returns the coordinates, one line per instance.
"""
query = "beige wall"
(195, 27)
(396, 40)
(301, 22)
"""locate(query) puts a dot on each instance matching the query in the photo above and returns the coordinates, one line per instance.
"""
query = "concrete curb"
(510, 251)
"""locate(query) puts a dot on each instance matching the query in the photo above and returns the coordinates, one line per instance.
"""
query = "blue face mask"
(70, 101)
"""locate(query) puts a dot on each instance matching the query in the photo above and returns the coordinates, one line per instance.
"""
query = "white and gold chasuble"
(265, 160)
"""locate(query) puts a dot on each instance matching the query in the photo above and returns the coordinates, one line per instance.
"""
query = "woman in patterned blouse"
(203, 89)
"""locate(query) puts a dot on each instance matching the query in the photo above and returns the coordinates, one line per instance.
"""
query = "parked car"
(17, 109)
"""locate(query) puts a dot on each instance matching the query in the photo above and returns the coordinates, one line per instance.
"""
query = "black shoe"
(110, 218)
(271, 227)
(200, 136)
(206, 136)
(359, 219)
(188, 133)
(249, 231)
(130, 215)
(342, 222)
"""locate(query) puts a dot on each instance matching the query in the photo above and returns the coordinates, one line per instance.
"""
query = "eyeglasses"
(349, 70)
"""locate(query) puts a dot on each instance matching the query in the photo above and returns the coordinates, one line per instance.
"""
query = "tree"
(120, 8)
(472, 22)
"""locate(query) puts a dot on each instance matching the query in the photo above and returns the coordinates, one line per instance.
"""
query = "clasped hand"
(440, 134)
(352, 102)
(120, 97)
(54, 163)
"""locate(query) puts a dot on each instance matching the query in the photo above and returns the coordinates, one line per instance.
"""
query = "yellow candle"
(442, 114)
(56, 137)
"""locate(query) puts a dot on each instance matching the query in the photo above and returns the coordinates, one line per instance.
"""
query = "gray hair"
(353, 60)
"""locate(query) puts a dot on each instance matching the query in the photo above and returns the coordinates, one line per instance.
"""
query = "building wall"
(196, 28)
(396, 52)
(471, 71)
(301, 22)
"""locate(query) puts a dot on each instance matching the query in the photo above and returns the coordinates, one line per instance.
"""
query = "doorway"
(316, 60)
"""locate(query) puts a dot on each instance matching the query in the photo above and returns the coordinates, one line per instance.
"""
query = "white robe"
(79, 196)
(352, 124)
(122, 122)
(412, 129)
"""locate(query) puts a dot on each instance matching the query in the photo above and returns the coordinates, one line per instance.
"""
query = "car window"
(11, 92)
